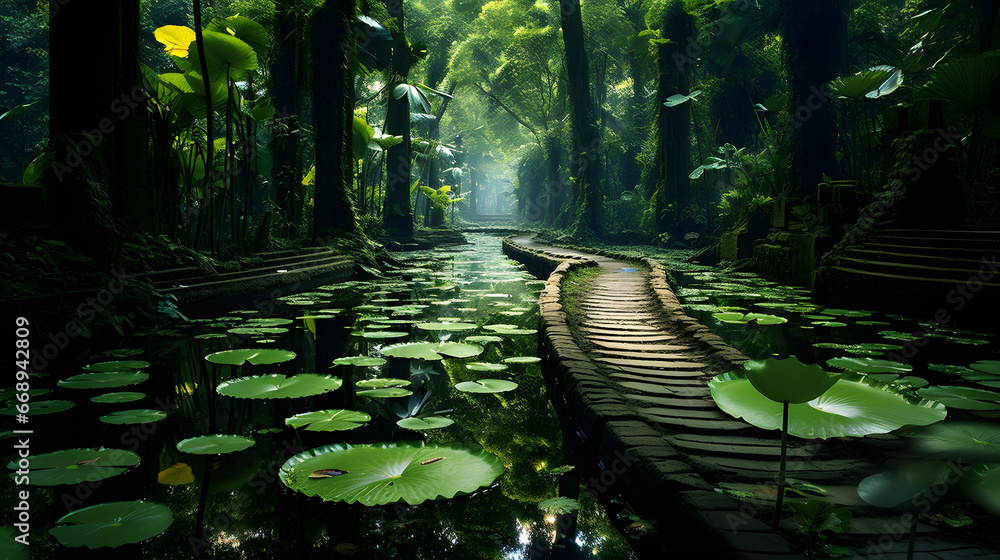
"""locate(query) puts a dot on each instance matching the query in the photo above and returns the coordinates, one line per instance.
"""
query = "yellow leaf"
(310, 178)
(175, 38)
(176, 475)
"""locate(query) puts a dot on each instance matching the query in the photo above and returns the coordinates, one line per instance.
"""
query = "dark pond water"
(234, 505)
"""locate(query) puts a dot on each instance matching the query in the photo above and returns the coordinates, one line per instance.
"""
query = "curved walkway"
(633, 369)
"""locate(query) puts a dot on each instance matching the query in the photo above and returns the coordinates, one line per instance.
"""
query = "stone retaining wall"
(618, 452)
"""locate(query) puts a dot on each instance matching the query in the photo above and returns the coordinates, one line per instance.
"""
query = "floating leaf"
(121, 397)
(483, 366)
(458, 349)
(40, 407)
(849, 408)
(387, 473)
(381, 382)
(103, 379)
(119, 365)
(329, 420)
(72, 466)
(968, 442)
(381, 334)
(137, 416)
(277, 386)
(522, 360)
(788, 380)
(365, 361)
(254, 356)
(112, 524)
(483, 338)
(385, 393)
(987, 366)
(426, 423)
(446, 326)
(486, 386)
(741, 319)
(420, 350)
(216, 444)
(869, 365)
(176, 475)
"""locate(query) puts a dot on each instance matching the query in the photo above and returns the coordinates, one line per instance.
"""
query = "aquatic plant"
(112, 524)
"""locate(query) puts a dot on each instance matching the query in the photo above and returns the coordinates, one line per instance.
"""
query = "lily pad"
(277, 386)
(381, 334)
(253, 356)
(987, 366)
(445, 326)
(522, 360)
(387, 473)
(427, 423)
(177, 474)
(848, 408)
(103, 379)
(137, 416)
(458, 349)
(968, 442)
(72, 466)
(112, 524)
(483, 338)
(122, 397)
(381, 382)
(214, 444)
(486, 386)
(869, 365)
(119, 365)
(385, 393)
(329, 420)
(41, 407)
(417, 350)
(788, 380)
(364, 361)
(735, 318)
(483, 366)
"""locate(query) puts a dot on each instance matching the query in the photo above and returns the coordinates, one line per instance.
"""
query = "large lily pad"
(40, 407)
(112, 524)
(216, 444)
(869, 365)
(103, 379)
(119, 365)
(329, 420)
(385, 393)
(458, 349)
(486, 386)
(363, 361)
(136, 416)
(387, 473)
(788, 380)
(426, 423)
(419, 350)
(121, 397)
(741, 319)
(969, 442)
(380, 382)
(254, 356)
(848, 408)
(446, 326)
(72, 466)
(277, 386)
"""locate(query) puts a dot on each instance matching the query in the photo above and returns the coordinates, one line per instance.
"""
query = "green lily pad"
(103, 379)
(950, 368)
(210, 335)
(41, 407)
(741, 319)
(515, 331)
(418, 350)
(216, 444)
(522, 360)
(958, 392)
(112, 524)
(913, 488)
(848, 408)
(329, 420)
(119, 365)
(458, 349)
(874, 323)
(72, 466)
(426, 423)
(381, 334)
(869, 365)
(898, 335)
(257, 331)
(918, 382)
(788, 380)
(831, 324)
(122, 352)
(277, 386)
(136, 416)
(364, 361)
(387, 473)
(987, 366)
(483, 338)
(381, 382)
(486, 386)
(483, 366)
(968, 442)
(254, 356)
(445, 326)
(122, 397)
(385, 393)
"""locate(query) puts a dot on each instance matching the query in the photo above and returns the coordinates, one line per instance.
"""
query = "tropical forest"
(500, 279)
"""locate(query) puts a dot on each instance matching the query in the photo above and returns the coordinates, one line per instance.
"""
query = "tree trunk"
(674, 141)
(333, 212)
(587, 141)
(285, 171)
(815, 36)
(396, 214)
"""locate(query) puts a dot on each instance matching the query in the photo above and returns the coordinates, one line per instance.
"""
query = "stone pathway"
(637, 369)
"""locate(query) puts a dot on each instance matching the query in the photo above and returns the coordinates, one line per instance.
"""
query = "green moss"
(575, 287)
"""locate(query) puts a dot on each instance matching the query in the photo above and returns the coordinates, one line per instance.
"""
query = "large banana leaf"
(874, 82)
(226, 55)
(244, 29)
(386, 473)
